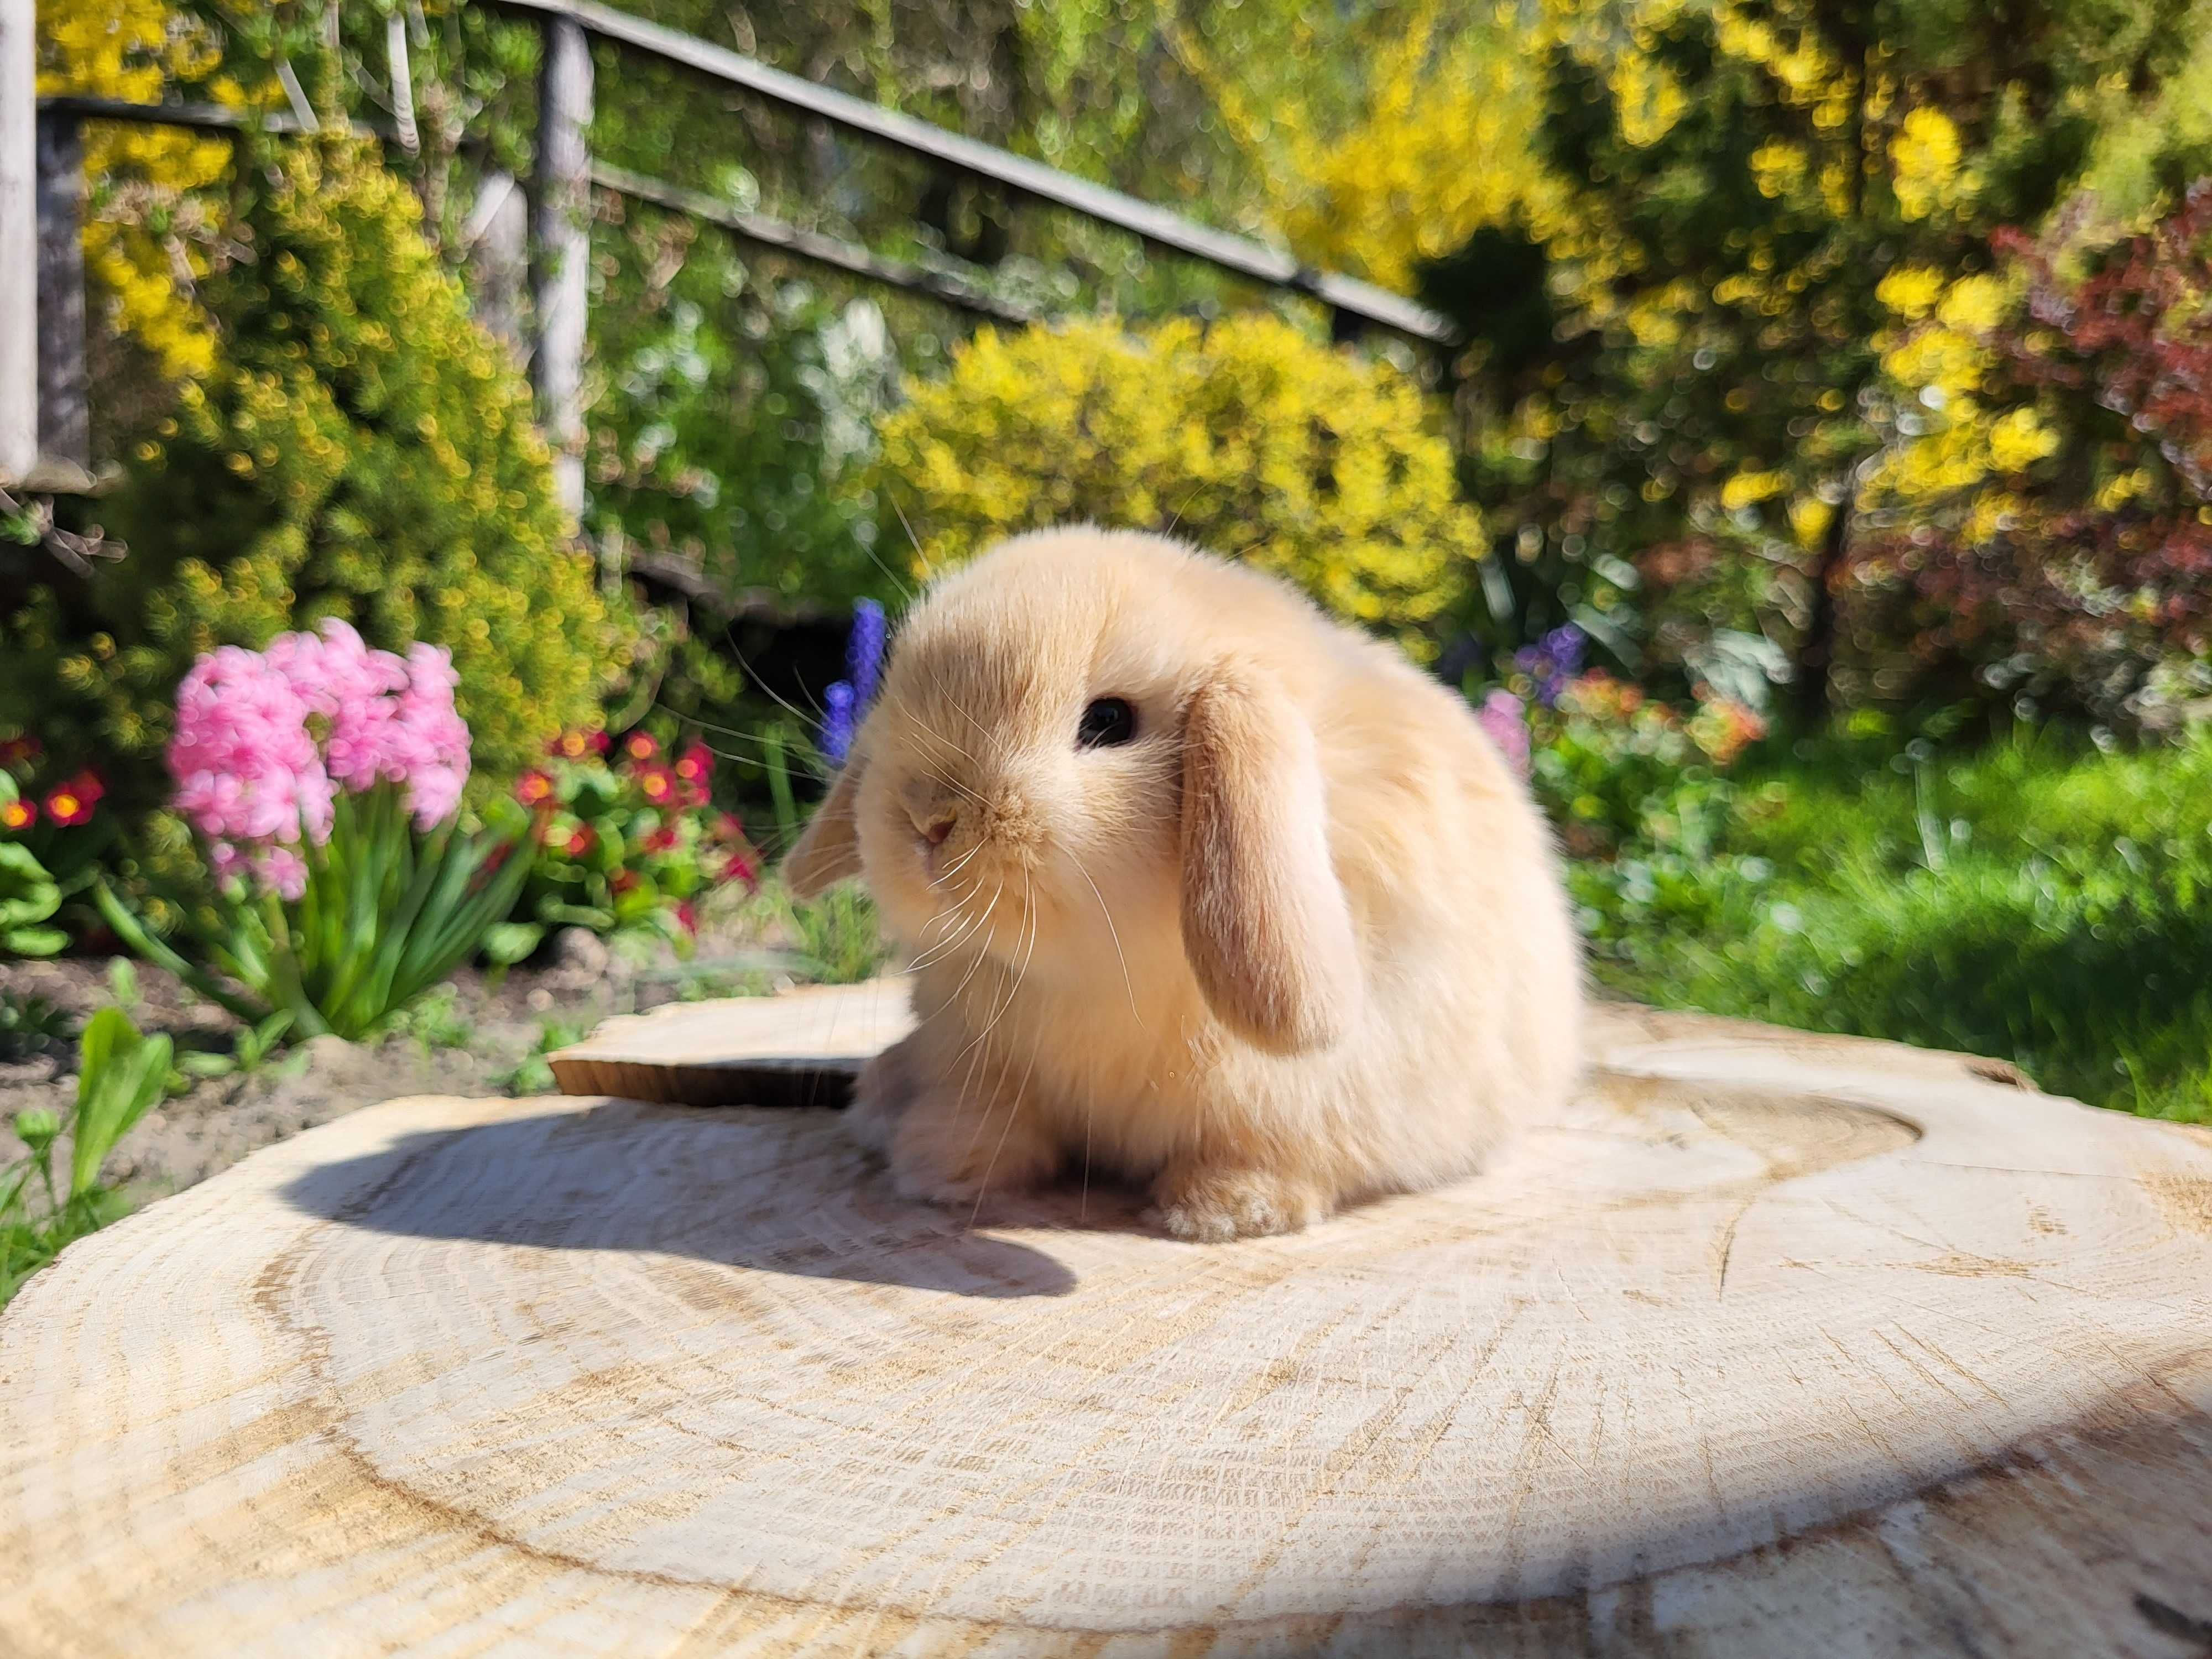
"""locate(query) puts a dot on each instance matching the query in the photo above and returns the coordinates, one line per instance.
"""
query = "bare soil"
(477, 1038)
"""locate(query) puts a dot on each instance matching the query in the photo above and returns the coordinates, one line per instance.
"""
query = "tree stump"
(1772, 1345)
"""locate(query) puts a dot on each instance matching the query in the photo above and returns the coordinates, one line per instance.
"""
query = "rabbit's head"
(1090, 746)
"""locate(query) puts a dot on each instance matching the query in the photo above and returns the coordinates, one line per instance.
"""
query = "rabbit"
(1202, 889)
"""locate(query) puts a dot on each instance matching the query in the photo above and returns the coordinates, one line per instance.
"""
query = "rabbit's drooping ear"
(1264, 922)
(829, 850)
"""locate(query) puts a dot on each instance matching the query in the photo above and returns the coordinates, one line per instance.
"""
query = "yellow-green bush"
(358, 448)
(149, 221)
(1247, 437)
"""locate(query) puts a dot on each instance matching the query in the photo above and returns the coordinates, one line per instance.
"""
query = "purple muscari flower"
(1552, 661)
(837, 722)
(1565, 646)
(864, 651)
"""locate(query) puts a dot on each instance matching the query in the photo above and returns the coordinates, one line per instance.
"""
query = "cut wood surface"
(802, 1048)
(1772, 1345)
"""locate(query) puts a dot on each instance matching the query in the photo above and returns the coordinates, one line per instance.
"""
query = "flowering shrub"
(2056, 552)
(1247, 437)
(1637, 789)
(1615, 768)
(149, 226)
(360, 449)
(323, 778)
(626, 845)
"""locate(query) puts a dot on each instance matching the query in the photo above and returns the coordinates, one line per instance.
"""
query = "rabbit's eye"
(1109, 721)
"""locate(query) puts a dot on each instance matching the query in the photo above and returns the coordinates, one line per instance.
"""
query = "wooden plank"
(563, 233)
(19, 242)
(64, 378)
(197, 117)
(1153, 224)
(764, 231)
(1767, 1344)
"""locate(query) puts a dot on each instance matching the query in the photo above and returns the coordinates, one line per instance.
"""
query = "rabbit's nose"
(935, 828)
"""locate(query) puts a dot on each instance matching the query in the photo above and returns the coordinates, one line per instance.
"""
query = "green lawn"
(2037, 900)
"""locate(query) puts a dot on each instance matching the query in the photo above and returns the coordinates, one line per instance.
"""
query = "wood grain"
(1770, 1345)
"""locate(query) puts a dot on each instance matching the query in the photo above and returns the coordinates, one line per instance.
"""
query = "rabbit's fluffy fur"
(1300, 942)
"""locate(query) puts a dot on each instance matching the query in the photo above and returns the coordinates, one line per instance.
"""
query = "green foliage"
(121, 1075)
(30, 1025)
(251, 1047)
(2034, 901)
(838, 939)
(360, 449)
(434, 1020)
(532, 1074)
(736, 416)
(386, 913)
(28, 898)
(1247, 437)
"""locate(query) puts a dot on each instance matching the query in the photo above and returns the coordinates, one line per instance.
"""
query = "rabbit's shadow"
(780, 1191)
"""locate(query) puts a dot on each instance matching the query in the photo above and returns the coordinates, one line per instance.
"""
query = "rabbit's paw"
(945, 1155)
(881, 1095)
(1210, 1205)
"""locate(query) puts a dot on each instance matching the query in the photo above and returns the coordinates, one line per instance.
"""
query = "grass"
(2037, 899)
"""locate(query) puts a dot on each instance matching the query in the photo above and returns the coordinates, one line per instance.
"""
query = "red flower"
(68, 804)
(657, 784)
(622, 881)
(13, 751)
(17, 815)
(695, 764)
(659, 841)
(533, 787)
(727, 827)
(599, 740)
(570, 746)
(573, 839)
(87, 783)
(740, 867)
(640, 746)
(687, 918)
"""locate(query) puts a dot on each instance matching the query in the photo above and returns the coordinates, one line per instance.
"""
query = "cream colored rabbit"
(1202, 888)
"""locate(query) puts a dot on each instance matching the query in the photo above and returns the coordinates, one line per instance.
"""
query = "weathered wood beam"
(65, 381)
(762, 231)
(562, 226)
(19, 236)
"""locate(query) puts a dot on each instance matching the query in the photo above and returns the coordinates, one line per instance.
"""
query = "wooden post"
(65, 390)
(499, 261)
(19, 241)
(563, 227)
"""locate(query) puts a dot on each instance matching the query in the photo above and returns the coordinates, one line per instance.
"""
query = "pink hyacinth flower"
(1506, 720)
(245, 764)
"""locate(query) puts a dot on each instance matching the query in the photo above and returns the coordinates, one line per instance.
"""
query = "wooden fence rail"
(45, 424)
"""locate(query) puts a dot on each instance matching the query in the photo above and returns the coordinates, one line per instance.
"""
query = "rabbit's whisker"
(1114, 933)
(1013, 1107)
(945, 946)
